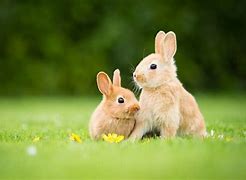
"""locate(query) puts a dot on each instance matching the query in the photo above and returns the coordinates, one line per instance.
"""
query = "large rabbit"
(115, 113)
(165, 105)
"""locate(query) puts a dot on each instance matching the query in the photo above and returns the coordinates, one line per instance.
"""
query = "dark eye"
(153, 66)
(121, 100)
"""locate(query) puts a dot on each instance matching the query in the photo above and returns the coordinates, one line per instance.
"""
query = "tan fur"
(165, 104)
(110, 116)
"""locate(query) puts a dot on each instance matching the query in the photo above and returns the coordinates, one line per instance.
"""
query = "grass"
(53, 119)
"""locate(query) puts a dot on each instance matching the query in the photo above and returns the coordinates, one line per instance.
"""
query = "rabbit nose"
(134, 75)
(134, 108)
(140, 77)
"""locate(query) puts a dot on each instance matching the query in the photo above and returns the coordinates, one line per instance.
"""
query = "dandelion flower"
(36, 139)
(112, 138)
(75, 137)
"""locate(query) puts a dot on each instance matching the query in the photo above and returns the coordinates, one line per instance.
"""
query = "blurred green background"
(52, 48)
(57, 47)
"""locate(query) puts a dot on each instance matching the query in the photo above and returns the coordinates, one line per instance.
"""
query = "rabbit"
(165, 105)
(116, 112)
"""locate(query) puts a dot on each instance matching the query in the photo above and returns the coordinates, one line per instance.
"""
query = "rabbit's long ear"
(158, 40)
(104, 83)
(117, 78)
(169, 46)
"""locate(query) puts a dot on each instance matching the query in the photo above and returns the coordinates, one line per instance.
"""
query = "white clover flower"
(212, 133)
(31, 150)
(221, 136)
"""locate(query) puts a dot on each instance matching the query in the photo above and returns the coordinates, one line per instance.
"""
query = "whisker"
(143, 53)
(135, 88)
(132, 68)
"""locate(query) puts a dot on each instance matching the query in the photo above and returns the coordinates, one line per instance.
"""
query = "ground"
(220, 156)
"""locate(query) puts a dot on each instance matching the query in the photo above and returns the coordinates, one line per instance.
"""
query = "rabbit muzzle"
(139, 77)
(133, 109)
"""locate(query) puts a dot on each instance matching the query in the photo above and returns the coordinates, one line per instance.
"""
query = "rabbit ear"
(117, 78)
(169, 46)
(158, 40)
(104, 83)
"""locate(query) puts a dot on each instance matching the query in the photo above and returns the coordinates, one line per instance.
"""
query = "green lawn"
(53, 119)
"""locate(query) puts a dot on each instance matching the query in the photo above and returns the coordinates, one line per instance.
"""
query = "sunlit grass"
(55, 155)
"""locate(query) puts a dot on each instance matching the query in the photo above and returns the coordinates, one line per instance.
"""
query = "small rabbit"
(115, 113)
(165, 105)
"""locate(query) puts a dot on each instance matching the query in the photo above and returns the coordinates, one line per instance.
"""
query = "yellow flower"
(146, 141)
(36, 139)
(228, 139)
(75, 137)
(112, 138)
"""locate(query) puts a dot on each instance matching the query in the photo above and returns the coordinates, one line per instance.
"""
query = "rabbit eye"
(153, 66)
(121, 100)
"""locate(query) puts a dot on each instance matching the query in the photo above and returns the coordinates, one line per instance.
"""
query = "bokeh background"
(57, 47)
(50, 53)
